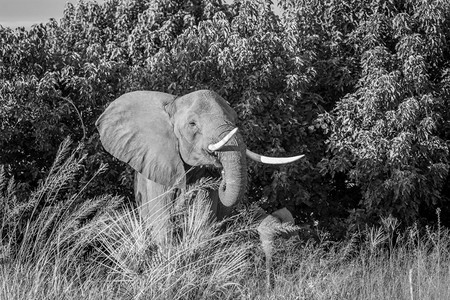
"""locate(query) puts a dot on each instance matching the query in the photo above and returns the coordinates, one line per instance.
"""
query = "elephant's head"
(202, 122)
(158, 134)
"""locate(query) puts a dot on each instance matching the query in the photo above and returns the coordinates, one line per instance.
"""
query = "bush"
(352, 85)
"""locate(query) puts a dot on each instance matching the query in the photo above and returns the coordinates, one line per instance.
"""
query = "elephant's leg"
(155, 207)
(214, 198)
(218, 210)
(268, 230)
(267, 235)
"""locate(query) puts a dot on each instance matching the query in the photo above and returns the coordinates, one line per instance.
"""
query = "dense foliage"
(361, 87)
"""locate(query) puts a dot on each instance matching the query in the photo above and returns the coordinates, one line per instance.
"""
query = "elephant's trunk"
(234, 177)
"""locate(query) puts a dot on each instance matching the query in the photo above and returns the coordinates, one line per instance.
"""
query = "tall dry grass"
(45, 239)
(378, 263)
(56, 247)
(59, 246)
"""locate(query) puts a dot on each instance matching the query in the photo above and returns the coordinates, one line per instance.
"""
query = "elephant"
(168, 140)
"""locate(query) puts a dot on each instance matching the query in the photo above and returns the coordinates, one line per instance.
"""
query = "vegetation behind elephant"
(163, 137)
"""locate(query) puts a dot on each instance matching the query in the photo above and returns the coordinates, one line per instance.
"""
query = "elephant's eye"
(192, 124)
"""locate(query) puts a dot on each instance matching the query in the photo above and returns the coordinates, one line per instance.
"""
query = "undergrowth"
(59, 246)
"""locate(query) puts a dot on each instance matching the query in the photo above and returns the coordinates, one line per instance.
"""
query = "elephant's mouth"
(213, 159)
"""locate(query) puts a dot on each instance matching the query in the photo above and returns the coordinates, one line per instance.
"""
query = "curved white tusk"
(222, 142)
(272, 160)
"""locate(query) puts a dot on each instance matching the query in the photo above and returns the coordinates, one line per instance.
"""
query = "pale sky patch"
(14, 13)
(18, 13)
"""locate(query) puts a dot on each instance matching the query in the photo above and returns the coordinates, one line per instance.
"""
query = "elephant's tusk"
(271, 160)
(222, 142)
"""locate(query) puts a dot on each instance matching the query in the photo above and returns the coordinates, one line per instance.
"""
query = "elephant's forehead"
(205, 105)
(207, 102)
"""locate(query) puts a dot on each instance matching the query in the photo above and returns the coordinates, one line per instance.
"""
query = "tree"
(385, 134)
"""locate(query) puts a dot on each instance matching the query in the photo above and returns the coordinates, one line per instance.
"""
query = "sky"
(15, 13)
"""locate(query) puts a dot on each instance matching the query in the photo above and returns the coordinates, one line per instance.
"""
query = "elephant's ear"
(136, 129)
(284, 215)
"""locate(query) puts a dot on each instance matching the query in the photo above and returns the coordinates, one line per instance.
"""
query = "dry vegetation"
(66, 248)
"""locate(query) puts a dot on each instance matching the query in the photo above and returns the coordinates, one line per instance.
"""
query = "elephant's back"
(146, 98)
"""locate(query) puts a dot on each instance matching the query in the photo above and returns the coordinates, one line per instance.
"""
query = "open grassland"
(67, 248)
